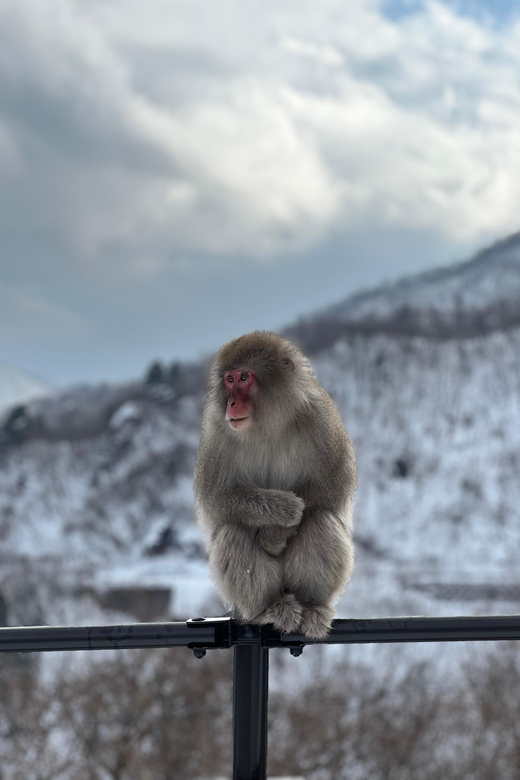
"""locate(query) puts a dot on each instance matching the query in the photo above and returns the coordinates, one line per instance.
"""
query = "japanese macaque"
(274, 487)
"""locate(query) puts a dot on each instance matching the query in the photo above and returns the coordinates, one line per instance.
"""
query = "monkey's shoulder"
(320, 424)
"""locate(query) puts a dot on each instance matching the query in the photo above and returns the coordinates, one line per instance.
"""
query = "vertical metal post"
(250, 690)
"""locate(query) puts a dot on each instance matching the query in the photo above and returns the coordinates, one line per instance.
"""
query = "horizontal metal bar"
(214, 632)
(407, 629)
(211, 633)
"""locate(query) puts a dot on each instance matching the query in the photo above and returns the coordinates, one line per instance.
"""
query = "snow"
(128, 412)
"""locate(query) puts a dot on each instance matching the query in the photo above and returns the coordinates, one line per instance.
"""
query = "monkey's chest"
(279, 471)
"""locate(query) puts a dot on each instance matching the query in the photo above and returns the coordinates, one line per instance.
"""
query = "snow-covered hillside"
(492, 277)
(17, 387)
(96, 491)
(460, 301)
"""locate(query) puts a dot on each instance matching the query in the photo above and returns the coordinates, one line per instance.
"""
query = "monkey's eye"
(244, 377)
(230, 379)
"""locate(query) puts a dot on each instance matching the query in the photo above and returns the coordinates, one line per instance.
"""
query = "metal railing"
(252, 645)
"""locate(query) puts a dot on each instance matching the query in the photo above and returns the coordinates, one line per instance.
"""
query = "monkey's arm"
(227, 502)
(261, 507)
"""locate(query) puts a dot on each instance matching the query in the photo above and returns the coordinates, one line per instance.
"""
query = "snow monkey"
(274, 487)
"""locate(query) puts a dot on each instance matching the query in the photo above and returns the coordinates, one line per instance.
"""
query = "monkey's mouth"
(238, 422)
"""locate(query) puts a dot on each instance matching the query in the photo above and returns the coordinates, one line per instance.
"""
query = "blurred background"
(172, 175)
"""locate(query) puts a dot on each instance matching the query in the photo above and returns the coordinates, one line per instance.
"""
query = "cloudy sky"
(176, 172)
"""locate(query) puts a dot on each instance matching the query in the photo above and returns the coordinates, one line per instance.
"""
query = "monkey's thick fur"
(275, 501)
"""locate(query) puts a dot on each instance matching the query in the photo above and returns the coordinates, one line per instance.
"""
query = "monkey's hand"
(274, 539)
(285, 508)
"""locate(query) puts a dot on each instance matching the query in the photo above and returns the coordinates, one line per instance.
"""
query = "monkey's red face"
(240, 385)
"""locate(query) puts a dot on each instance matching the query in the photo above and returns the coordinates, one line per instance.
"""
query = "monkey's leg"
(244, 574)
(318, 564)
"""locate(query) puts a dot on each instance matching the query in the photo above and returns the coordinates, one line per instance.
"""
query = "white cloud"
(275, 125)
(320, 53)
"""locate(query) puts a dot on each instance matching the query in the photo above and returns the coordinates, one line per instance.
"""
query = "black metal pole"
(407, 629)
(201, 632)
(250, 691)
(211, 633)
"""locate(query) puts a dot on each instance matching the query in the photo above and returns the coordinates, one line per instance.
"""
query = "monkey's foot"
(316, 622)
(285, 614)
(273, 539)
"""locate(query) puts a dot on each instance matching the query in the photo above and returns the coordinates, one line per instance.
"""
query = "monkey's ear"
(288, 363)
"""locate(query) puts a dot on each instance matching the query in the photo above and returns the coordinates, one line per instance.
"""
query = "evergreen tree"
(155, 374)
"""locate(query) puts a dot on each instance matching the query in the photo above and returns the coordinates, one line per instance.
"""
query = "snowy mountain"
(96, 484)
(463, 300)
(17, 387)
(475, 286)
